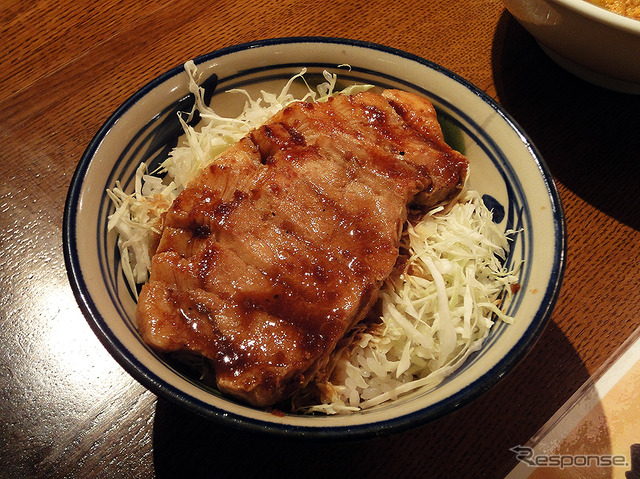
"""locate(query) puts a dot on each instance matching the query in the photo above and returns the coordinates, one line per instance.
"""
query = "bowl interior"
(504, 166)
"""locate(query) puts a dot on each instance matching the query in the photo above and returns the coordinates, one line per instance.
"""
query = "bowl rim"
(601, 15)
(394, 424)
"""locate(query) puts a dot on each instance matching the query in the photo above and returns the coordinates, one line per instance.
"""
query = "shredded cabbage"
(136, 218)
(435, 312)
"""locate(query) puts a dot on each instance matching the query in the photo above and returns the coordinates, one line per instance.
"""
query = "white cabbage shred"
(435, 313)
(137, 215)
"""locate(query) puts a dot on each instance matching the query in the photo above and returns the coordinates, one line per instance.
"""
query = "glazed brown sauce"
(315, 257)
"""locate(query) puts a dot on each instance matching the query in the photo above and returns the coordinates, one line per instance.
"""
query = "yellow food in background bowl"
(627, 8)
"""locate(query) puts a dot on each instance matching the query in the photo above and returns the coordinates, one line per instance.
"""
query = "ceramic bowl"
(506, 168)
(594, 44)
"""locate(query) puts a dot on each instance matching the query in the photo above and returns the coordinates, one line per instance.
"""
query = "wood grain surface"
(68, 409)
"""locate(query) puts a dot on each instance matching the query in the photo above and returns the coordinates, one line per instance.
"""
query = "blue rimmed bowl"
(505, 168)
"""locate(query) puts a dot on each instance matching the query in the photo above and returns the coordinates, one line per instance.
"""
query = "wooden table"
(68, 410)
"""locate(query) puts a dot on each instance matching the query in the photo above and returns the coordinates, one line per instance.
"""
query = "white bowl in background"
(589, 41)
(505, 166)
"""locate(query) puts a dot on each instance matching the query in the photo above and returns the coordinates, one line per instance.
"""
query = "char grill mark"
(280, 246)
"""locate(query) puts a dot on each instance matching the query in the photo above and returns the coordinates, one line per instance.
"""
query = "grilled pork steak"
(280, 246)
